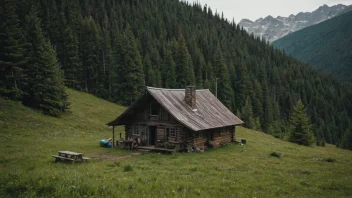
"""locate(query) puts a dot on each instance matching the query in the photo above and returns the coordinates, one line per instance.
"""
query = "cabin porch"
(155, 149)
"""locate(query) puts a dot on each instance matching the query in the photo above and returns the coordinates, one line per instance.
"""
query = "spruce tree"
(170, 73)
(225, 92)
(150, 79)
(89, 53)
(12, 53)
(71, 63)
(129, 68)
(184, 66)
(247, 115)
(301, 130)
(44, 83)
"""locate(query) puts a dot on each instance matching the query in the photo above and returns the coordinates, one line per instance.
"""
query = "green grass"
(28, 139)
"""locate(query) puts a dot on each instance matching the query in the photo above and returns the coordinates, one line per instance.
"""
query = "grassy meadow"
(29, 138)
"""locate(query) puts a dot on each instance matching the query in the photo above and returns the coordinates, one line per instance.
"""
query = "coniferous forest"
(113, 48)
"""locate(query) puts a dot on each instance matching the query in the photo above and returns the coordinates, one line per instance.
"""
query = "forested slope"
(112, 48)
(326, 46)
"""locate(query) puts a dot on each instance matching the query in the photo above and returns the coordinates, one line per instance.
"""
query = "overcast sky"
(254, 9)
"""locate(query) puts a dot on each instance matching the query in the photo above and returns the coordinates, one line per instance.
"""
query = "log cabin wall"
(219, 136)
(162, 120)
(224, 135)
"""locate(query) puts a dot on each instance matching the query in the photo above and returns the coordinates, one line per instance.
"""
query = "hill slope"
(327, 46)
(28, 139)
(272, 29)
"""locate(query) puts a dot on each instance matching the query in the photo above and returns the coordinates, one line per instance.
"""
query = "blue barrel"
(104, 143)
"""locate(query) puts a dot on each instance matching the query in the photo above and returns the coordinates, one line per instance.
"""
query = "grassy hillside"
(28, 139)
(327, 46)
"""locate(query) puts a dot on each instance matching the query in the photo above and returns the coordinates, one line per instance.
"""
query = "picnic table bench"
(70, 156)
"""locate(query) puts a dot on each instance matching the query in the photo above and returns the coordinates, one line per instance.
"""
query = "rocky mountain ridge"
(272, 29)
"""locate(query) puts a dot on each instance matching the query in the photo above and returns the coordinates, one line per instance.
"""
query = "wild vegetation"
(326, 46)
(29, 138)
(301, 130)
(112, 48)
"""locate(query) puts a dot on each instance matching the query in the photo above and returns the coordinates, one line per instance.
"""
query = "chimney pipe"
(190, 96)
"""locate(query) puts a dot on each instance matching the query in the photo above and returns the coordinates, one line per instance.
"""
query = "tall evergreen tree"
(301, 130)
(71, 63)
(225, 92)
(89, 53)
(184, 66)
(44, 83)
(12, 53)
(129, 68)
(247, 115)
(170, 73)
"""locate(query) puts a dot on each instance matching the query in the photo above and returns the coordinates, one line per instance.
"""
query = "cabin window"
(154, 110)
(136, 130)
(170, 132)
(173, 132)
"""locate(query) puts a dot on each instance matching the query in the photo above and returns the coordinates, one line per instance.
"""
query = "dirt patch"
(112, 157)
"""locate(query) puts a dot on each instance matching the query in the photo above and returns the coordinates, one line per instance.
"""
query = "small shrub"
(115, 164)
(307, 172)
(127, 168)
(16, 190)
(193, 169)
(304, 183)
(330, 159)
(275, 154)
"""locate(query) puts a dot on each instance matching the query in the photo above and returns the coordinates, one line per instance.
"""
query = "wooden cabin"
(180, 119)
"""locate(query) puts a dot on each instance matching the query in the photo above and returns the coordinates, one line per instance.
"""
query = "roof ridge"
(156, 88)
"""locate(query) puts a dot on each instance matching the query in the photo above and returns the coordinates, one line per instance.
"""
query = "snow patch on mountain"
(271, 28)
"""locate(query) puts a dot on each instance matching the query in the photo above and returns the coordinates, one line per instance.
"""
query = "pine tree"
(184, 66)
(71, 63)
(257, 123)
(129, 68)
(170, 73)
(241, 84)
(247, 115)
(301, 130)
(150, 79)
(225, 92)
(12, 53)
(89, 53)
(44, 83)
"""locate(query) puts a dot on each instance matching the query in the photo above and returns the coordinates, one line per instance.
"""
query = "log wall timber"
(218, 136)
(188, 138)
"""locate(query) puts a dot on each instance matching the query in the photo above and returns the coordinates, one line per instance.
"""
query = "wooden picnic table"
(70, 156)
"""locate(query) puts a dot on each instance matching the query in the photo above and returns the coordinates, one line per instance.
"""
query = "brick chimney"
(190, 96)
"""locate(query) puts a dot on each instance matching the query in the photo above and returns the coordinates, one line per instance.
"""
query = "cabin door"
(152, 135)
(211, 135)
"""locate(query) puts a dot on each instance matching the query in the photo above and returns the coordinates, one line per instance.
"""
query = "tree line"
(113, 48)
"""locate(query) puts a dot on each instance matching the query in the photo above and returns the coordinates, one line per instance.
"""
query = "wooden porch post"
(113, 136)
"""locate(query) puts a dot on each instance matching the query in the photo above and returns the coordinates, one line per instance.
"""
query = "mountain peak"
(272, 29)
(269, 17)
(246, 21)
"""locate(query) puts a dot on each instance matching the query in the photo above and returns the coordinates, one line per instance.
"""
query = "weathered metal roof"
(209, 112)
